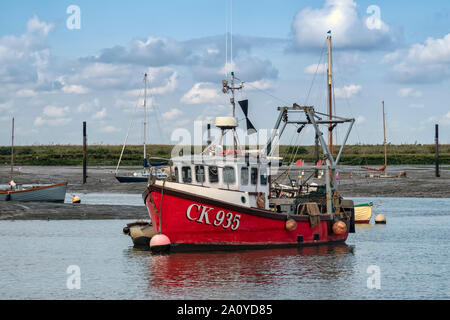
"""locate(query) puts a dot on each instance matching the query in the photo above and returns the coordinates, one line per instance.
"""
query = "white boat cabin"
(250, 176)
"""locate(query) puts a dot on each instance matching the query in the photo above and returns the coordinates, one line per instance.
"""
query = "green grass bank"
(108, 155)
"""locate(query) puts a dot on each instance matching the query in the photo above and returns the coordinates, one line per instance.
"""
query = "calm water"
(412, 252)
(107, 198)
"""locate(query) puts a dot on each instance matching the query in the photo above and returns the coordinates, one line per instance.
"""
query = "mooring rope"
(161, 207)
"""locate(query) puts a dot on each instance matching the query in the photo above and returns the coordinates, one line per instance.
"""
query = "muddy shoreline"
(420, 182)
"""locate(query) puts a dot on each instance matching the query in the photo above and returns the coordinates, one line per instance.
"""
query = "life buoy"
(231, 152)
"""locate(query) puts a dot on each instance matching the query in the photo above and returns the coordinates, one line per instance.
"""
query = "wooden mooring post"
(84, 153)
(436, 141)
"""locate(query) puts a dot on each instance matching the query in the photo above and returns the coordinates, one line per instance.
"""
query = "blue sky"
(53, 78)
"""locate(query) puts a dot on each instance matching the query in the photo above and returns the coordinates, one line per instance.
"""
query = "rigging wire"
(262, 90)
(298, 135)
(129, 128)
(226, 42)
(231, 33)
(352, 115)
(334, 110)
(315, 73)
(158, 115)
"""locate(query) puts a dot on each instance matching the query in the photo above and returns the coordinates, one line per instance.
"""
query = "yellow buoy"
(76, 199)
(380, 219)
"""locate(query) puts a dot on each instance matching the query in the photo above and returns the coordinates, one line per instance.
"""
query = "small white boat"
(39, 192)
(31, 192)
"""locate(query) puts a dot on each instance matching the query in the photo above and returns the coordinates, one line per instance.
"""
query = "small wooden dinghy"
(31, 192)
(44, 192)
(363, 212)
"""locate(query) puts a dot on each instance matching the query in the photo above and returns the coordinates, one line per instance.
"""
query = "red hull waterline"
(196, 223)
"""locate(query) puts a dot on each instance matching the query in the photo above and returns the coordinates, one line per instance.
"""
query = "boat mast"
(233, 103)
(145, 119)
(225, 87)
(12, 149)
(384, 142)
(330, 106)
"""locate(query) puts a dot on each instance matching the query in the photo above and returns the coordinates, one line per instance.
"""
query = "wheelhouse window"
(229, 175)
(213, 173)
(200, 174)
(186, 174)
(254, 176)
(177, 177)
(244, 176)
(263, 177)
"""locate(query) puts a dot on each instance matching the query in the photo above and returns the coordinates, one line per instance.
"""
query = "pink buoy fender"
(159, 243)
(339, 228)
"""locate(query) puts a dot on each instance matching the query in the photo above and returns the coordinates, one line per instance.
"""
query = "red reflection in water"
(259, 267)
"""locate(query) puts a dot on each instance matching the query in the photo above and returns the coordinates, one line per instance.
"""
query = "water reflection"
(215, 273)
(363, 226)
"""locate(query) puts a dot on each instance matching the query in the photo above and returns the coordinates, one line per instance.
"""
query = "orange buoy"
(159, 243)
(291, 225)
(339, 227)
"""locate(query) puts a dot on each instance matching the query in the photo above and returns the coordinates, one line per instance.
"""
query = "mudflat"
(420, 182)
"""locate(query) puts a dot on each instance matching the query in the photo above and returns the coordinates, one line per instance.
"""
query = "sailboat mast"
(330, 106)
(233, 103)
(145, 119)
(384, 142)
(12, 149)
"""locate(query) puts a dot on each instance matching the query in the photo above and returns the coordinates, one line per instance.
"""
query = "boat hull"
(141, 233)
(51, 193)
(363, 213)
(126, 179)
(196, 223)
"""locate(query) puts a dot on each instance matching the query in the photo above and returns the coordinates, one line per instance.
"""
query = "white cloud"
(55, 112)
(203, 92)
(5, 105)
(152, 51)
(24, 57)
(53, 116)
(259, 85)
(75, 88)
(349, 29)
(25, 93)
(319, 68)
(446, 119)
(34, 25)
(162, 80)
(409, 93)
(100, 114)
(427, 62)
(442, 120)
(103, 76)
(417, 105)
(347, 91)
(109, 129)
(57, 122)
(172, 114)
(88, 106)
(360, 120)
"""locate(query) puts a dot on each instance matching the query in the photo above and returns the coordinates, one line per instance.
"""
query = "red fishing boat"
(228, 199)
